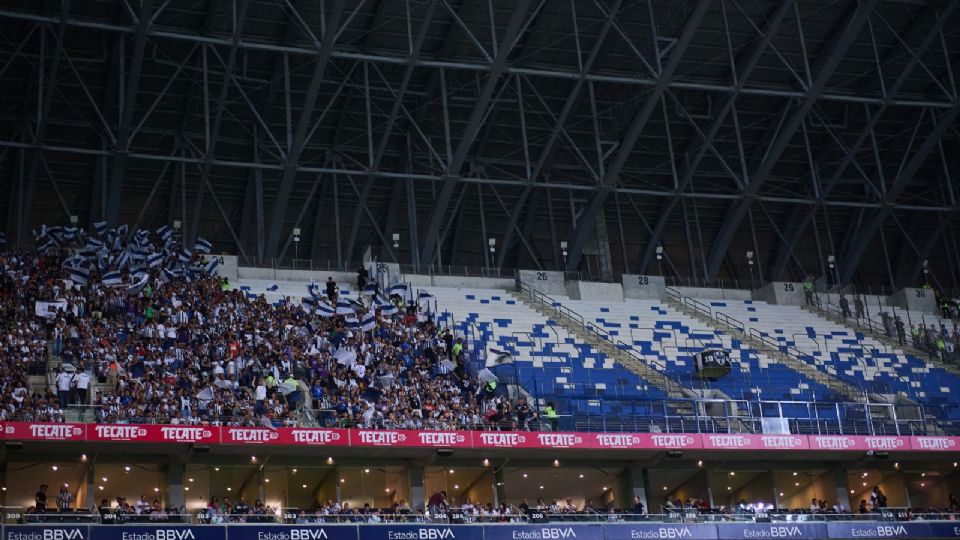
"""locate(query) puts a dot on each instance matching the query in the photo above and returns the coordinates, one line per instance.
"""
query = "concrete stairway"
(877, 332)
(587, 334)
(791, 360)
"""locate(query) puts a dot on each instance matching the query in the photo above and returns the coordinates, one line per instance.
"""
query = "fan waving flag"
(369, 322)
(273, 288)
(399, 289)
(211, 267)
(203, 245)
(425, 294)
(324, 309)
(370, 289)
(139, 285)
(113, 279)
(79, 275)
(165, 232)
(314, 290)
(386, 308)
(154, 260)
(352, 322)
(344, 308)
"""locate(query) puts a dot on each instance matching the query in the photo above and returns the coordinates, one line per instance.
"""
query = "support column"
(499, 486)
(842, 488)
(603, 246)
(176, 496)
(638, 485)
(92, 490)
(418, 500)
(706, 479)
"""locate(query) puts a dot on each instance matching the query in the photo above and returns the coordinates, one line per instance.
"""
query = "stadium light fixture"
(74, 220)
(176, 224)
(492, 242)
(396, 240)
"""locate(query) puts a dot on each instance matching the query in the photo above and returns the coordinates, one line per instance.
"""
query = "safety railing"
(729, 321)
(592, 328)
(466, 515)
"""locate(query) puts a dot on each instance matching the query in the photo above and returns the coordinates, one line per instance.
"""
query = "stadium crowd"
(142, 331)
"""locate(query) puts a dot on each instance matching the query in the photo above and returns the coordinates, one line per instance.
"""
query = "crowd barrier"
(214, 435)
(555, 531)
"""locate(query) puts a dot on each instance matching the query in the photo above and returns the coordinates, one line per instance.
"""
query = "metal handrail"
(698, 306)
(729, 321)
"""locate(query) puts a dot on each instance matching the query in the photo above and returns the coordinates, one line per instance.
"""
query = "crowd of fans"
(188, 348)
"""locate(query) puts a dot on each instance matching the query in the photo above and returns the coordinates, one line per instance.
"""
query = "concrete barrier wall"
(643, 287)
(784, 293)
(467, 282)
(549, 283)
(915, 300)
(594, 291)
(228, 267)
(715, 294)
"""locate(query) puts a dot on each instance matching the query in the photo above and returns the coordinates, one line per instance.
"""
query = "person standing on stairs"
(858, 306)
(844, 307)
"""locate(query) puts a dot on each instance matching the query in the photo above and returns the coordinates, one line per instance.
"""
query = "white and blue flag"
(369, 322)
(79, 275)
(202, 245)
(113, 279)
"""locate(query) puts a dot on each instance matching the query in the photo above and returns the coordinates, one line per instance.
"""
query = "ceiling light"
(541, 487)
(294, 471)
(729, 488)
(216, 469)
(101, 488)
(781, 494)
(664, 488)
(253, 459)
(581, 475)
(450, 471)
(924, 475)
(190, 480)
(342, 480)
(186, 488)
(851, 492)
(127, 468)
(457, 486)
(864, 484)
(330, 460)
(486, 462)
(267, 480)
(229, 489)
(605, 488)
(103, 479)
(387, 490)
(700, 463)
(54, 467)
(797, 484)
(366, 471)
(794, 473)
(83, 457)
(524, 475)
(157, 490)
(304, 486)
(732, 473)
(556, 463)
(923, 484)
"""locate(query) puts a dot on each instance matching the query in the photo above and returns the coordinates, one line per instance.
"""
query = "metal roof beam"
(799, 226)
(214, 133)
(428, 245)
(299, 139)
(860, 242)
(547, 154)
(115, 184)
(738, 210)
(611, 177)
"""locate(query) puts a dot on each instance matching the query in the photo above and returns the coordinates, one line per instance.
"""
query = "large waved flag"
(138, 285)
(369, 322)
(324, 309)
(79, 275)
(100, 227)
(203, 245)
(211, 267)
(386, 308)
(399, 289)
(345, 308)
(113, 279)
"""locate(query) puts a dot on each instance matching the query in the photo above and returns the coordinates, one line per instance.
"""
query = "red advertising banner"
(935, 444)
(858, 442)
(409, 437)
(35, 431)
(735, 441)
(153, 433)
(384, 438)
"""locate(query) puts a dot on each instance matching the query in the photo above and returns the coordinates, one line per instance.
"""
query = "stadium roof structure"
(549, 134)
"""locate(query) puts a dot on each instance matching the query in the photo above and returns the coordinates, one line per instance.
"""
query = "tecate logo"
(440, 438)
(382, 438)
(315, 436)
(559, 439)
(252, 435)
(729, 441)
(781, 441)
(672, 441)
(185, 433)
(834, 443)
(47, 534)
(120, 432)
(159, 534)
(444, 533)
(502, 439)
(935, 443)
(661, 532)
(617, 440)
(54, 431)
(883, 443)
